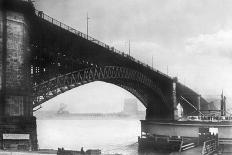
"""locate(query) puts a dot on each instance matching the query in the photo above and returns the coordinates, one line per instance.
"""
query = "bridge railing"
(209, 147)
(210, 118)
(80, 34)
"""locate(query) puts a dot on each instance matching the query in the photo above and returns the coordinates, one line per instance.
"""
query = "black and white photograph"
(115, 77)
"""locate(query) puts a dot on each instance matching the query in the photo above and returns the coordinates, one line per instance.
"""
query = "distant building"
(130, 106)
(180, 111)
(62, 110)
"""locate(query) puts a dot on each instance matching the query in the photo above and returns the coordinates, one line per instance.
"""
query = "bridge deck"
(186, 128)
(192, 151)
(190, 123)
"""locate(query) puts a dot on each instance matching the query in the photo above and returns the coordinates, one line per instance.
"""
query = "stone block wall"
(16, 109)
(15, 75)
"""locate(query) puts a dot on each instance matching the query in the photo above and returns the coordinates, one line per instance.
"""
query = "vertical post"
(129, 47)
(174, 100)
(152, 61)
(224, 106)
(87, 24)
(167, 70)
(199, 104)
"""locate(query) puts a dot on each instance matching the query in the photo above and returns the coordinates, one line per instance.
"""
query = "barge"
(207, 130)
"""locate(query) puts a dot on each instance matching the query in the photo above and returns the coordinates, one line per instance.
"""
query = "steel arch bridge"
(64, 58)
(60, 58)
(41, 58)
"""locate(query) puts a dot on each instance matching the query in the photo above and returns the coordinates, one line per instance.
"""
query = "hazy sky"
(192, 37)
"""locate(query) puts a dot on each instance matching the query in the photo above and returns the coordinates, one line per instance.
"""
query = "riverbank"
(193, 151)
(40, 152)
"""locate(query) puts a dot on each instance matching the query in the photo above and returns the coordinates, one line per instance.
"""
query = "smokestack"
(223, 104)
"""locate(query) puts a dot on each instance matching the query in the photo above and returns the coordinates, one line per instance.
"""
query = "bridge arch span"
(133, 81)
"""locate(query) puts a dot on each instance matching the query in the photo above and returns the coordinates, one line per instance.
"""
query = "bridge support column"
(17, 124)
(175, 110)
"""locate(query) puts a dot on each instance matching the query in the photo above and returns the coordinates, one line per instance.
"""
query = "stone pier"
(17, 124)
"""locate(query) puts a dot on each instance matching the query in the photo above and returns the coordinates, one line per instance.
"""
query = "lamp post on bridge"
(152, 61)
(199, 104)
(129, 47)
(87, 24)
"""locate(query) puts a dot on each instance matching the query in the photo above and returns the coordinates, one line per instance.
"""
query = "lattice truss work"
(60, 84)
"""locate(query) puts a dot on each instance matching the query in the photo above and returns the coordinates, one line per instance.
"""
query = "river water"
(111, 136)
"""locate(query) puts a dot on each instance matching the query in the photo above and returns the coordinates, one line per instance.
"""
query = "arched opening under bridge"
(95, 97)
(146, 90)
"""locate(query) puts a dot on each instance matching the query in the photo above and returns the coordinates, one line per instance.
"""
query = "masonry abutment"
(17, 124)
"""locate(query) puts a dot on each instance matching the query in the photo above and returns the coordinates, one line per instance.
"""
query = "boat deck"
(192, 151)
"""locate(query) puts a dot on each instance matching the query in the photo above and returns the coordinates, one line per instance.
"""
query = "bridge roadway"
(62, 58)
(42, 58)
